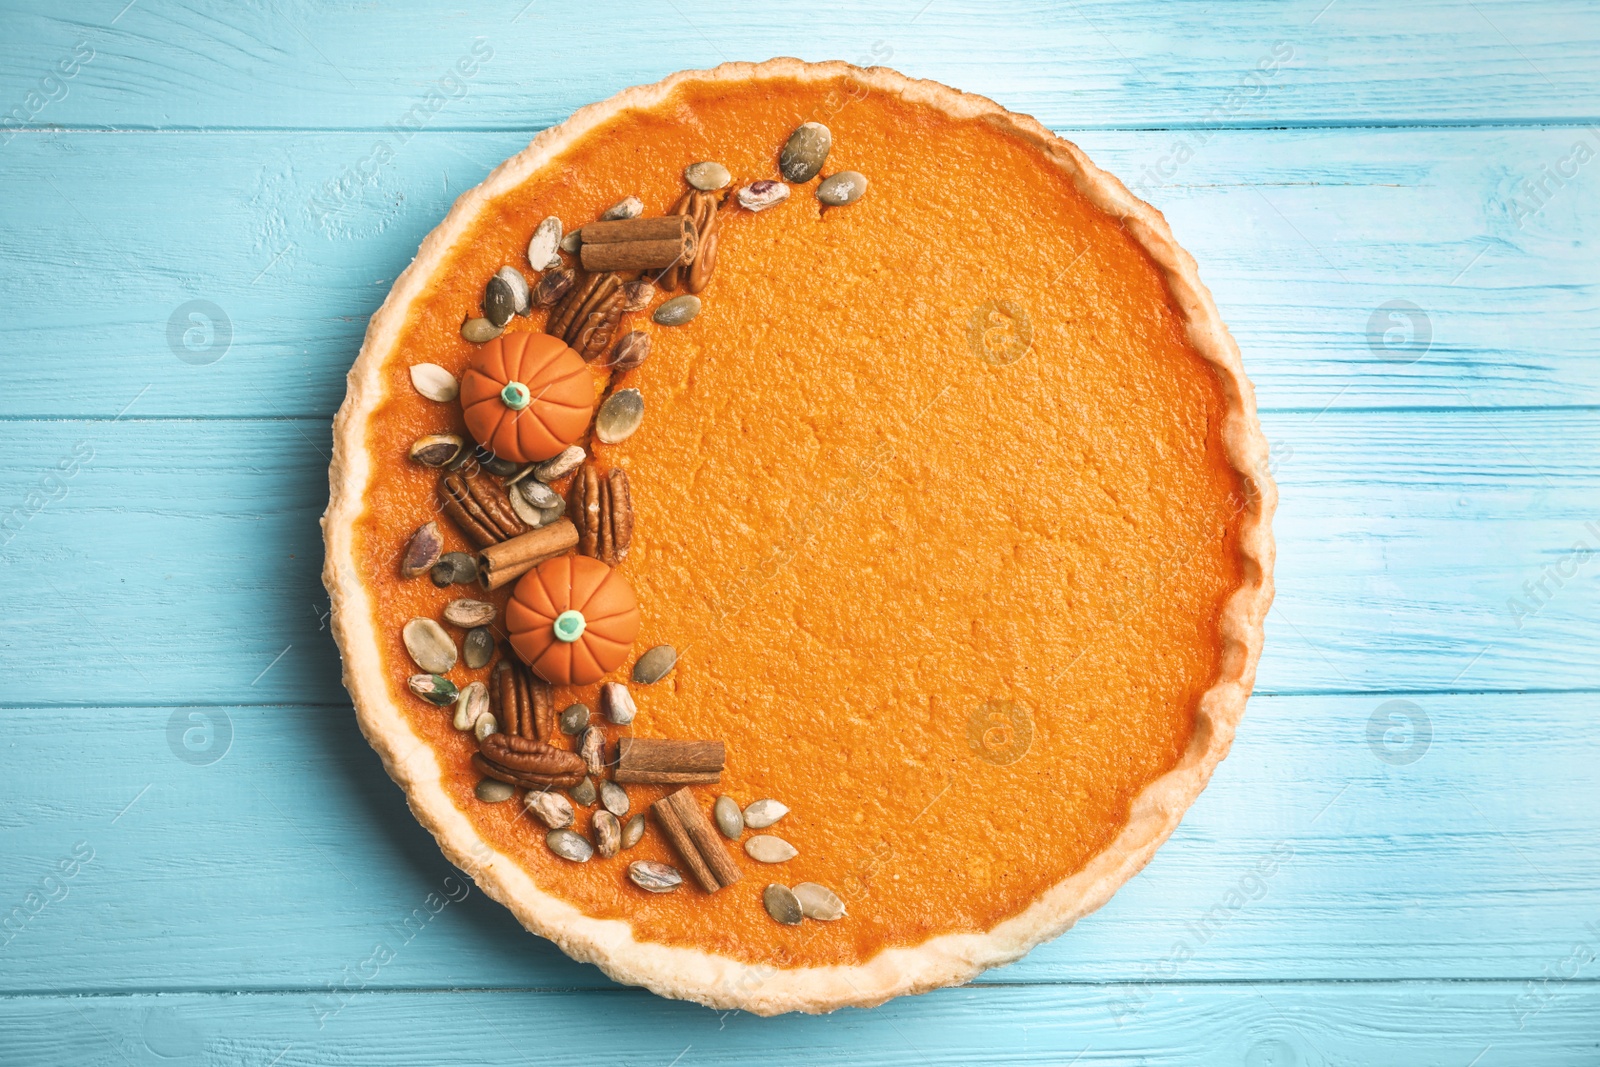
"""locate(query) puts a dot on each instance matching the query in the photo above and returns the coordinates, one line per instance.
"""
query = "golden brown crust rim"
(948, 959)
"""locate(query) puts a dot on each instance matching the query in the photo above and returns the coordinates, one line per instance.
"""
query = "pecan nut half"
(525, 705)
(479, 507)
(528, 763)
(588, 316)
(694, 272)
(601, 507)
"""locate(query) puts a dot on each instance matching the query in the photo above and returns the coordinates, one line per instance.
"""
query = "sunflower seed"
(758, 196)
(842, 189)
(729, 819)
(614, 798)
(807, 149)
(763, 813)
(434, 382)
(438, 691)
(491, 791)
(429, 645)
(654, 877)
(569, 845)
(422, 551)
(654, 665)
(631, 350)
(479, 331)
(617, 703)
(553, 286)
(620, 415)
(538, 494)
(467, 613)
(583, 792)
(565, 463)
(782, 904)
(636, 295)
(819, 902)
(677, 311)
(633, 831)
(607, 833)
(574, 718)
(544, 242)
(709, 175)
(552, 809)
(572, 241)
(530, 515)
(477, 648)
(487, 724)
(520, 292)
(499, 301)
(472, 703)
(592, 747)
(629, 208)
(437, 450)
(764, 848)
(454, 568)
(494, 464)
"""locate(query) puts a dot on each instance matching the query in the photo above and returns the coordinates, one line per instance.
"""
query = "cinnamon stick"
(695, 841)
(661, 761)
(655, 228)
(639, 244)
(499, 564)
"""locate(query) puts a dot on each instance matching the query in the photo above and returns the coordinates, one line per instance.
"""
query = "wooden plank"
(1432, 1024)
(1093, 63)
(264, 848)
(1305, 236)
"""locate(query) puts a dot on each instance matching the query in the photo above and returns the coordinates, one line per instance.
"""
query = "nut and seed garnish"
(440, 692)
(619, 416)
(819, 902)
(842, 189)
(519, 288)
(592, 747)
(564, 464)
(805, 152)
(708, 175)
(422, 551)
(429, 645)
(730, 820)
(765, 848)
(539, 494)
(553, 286)
(588, 316)
(636, 295)
(583, 792)
(530, 515)
(614, 798)
(492, 792)
(434, 382)
(486, 725)
(470, 705)
(655, 664)
(492, 463)
(552, 809)
(654, 877)
(628, 208)
(758, 196)
(574, 717)
(607, 833)
(572, 241)
(617, 703)
(477, 648)
(499, 302)
(633, 831)
(555, 263)
(467, 613)
(569, 845)
(763, 813)
(437, 450)
(479, 331)
(782, 904)
(545, 241)
(631, 350)
(695, 268)
(677, 311)
(454, 568)
(479, 508)
(601, 508)
(523, 761)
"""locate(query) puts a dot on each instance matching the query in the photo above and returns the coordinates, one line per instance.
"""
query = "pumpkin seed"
(479, 331)
(592, 747)
(530, 515)
(554, 264)
(551, 514)
(654, 877)
(763, 813)
(617, 703)
(620, 415)
(493, 791)
(567, 462)
(539, 495)
(437, 450)
(422, 551)
(569, 845)
(454, 568)
(434, 382)
(440, 692)
(807, 149)
(553, 286)
(544, 242)
(574, 718)
(583, 792)
(614, 798)
(487, 724)
(708, 175)
(477, 648)
(842, 189)
(677, 311)
(633, 831)
(636, 295)
(572, 241)
(782, 904)
(630, 350)
(758, 196)
(607, 833)
(467, 613)
(764, 848)
(472, 703)
(519, 288)
(552, 809)
(730, 820)
(819, 902)
(628, 208)
(429, 645)
(654, 665)
(499, 301)
(494, 464)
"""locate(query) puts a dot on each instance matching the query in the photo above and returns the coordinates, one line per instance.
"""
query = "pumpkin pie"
(799, 535)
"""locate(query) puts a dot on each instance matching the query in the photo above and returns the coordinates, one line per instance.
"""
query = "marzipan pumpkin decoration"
(527, 396)
(573, 620)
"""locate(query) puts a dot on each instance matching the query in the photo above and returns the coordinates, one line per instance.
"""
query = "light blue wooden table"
(1398, 208)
